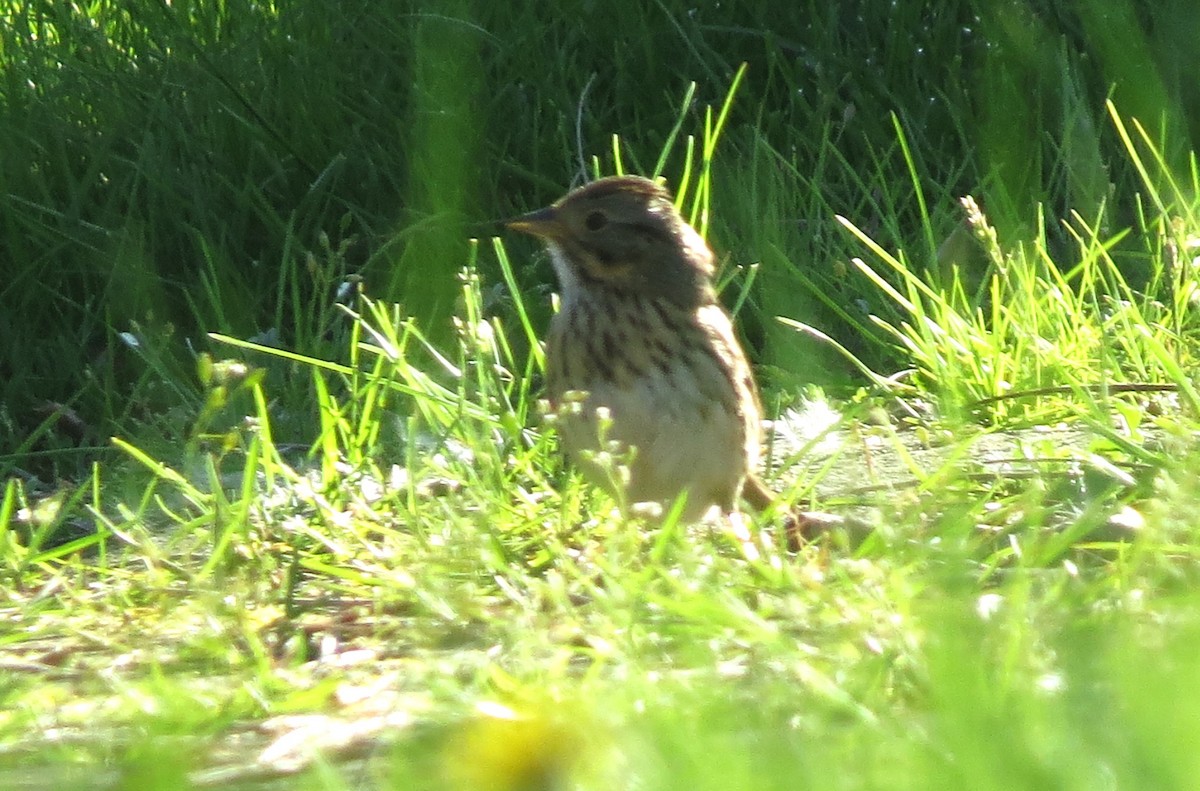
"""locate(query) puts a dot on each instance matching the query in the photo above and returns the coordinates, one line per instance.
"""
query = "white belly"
(685, 435)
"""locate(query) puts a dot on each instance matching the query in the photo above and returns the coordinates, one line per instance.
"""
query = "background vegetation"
(375, 532)
(172, 169)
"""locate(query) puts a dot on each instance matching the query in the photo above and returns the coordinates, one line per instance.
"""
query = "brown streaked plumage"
(641, 333)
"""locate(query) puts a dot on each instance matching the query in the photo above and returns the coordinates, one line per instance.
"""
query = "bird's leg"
(800, 525)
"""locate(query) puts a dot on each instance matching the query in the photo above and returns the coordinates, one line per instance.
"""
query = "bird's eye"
(595, 221)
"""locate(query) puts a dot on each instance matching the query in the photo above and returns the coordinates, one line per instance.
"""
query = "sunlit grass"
(343, 551)
(478, 586)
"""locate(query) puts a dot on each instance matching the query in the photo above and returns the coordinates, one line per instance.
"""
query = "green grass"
(484, 620)
(173, 170)
(334, 545)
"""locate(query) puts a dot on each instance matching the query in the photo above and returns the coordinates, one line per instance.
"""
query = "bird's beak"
(543, 223)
